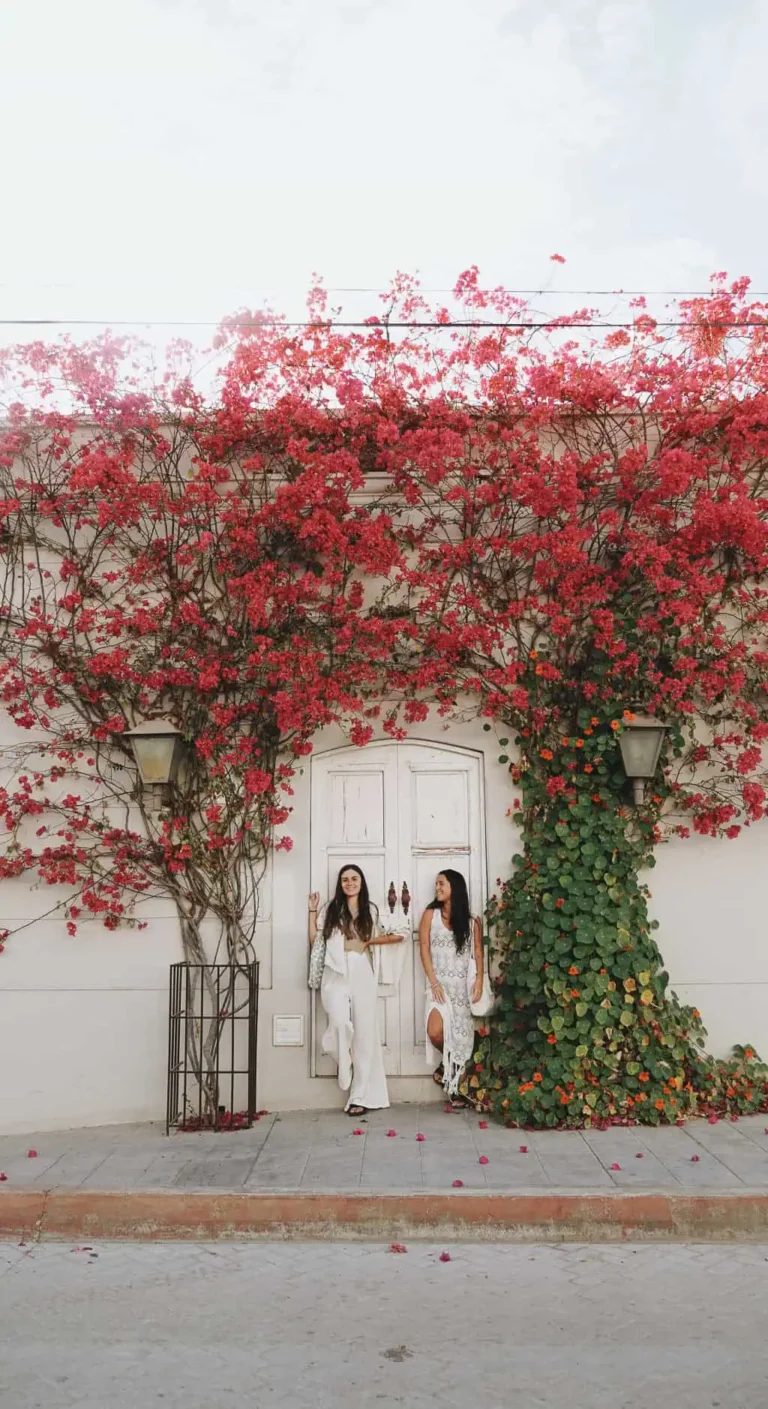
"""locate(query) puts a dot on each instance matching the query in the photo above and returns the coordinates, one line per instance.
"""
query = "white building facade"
(84, 1019)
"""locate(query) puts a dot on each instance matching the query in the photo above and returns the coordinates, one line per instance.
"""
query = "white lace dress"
(451, 970)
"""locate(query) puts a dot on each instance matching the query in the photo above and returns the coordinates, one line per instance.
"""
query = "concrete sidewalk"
(309, 1173)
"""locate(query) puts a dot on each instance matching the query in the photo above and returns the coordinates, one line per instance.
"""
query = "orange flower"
(551, 1039)
(659, 1105)
(644, 1076)
(748, 1053)
(587, 767)
(579, 743)
(587, 731)
(545, 753)
(573, 969)
(594, 720)
(537, 1076)
(615, 724)
(574, 993)
(628, 715)
(565, 743)
(533, 655)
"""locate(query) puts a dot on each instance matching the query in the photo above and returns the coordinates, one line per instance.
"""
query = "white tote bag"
(487, 1002)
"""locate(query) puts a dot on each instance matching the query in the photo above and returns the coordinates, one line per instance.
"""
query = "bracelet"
(313, 912)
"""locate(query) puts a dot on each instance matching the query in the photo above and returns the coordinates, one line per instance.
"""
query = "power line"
(564, 293)
(554, 323)
(528, 293)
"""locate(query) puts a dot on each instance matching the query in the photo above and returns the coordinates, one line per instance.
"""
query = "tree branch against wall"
(181, 562)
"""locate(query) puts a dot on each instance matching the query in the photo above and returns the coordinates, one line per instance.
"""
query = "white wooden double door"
(401, 812)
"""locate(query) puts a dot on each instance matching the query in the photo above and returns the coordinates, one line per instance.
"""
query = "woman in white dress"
(448, 935)
(349, 925)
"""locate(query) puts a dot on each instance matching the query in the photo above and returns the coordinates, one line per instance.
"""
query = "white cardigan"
(388, 959)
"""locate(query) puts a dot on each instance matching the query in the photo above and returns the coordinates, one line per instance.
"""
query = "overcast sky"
(174, 158)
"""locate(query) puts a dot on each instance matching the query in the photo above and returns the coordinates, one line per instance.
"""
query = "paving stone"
(207, 1174)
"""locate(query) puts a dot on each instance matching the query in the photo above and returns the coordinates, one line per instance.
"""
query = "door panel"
(440, 801)
(354, 821)
(440, 815)
(356, 808)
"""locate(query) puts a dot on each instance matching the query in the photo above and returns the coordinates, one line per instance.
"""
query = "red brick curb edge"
(30, 1215)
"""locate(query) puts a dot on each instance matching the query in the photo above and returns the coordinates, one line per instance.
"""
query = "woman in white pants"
(348, 991)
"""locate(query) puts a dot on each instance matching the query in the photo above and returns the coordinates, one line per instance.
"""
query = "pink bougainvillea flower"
(615, 1166)
(483, 1159)
(390, 1133)
(3, 1178)
(639, 1155)
(448, 1108)
(445, 1257)
(397, 1247)
(523, 1149)
(358, 1131)
(713, 1119)
(31, 1154)
(694, 1159)
(421, 1137)
(482, 1125)
(458, 1183)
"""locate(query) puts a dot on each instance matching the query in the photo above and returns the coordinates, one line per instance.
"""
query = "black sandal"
(356, 1111)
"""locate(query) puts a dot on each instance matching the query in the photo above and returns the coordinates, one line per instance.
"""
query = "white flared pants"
(352, 1036)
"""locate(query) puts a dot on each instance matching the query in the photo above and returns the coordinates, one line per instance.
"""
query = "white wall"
(83, 1024)
(83, 1021)
(710, 897)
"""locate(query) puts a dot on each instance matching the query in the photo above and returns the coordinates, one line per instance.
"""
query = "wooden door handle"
(405, 898)
(392, 897)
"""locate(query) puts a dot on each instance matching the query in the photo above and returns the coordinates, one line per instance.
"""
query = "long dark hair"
(460, 917)
(338, 917)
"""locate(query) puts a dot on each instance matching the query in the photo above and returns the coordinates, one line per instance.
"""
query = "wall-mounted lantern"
(641, 742)
(158, 748)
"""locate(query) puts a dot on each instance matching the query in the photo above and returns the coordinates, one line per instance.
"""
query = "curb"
(155, 1215)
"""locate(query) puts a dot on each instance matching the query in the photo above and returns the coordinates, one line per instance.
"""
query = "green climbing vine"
(587, 1030)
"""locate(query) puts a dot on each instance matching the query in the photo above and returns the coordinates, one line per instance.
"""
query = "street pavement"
(208, 1325)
